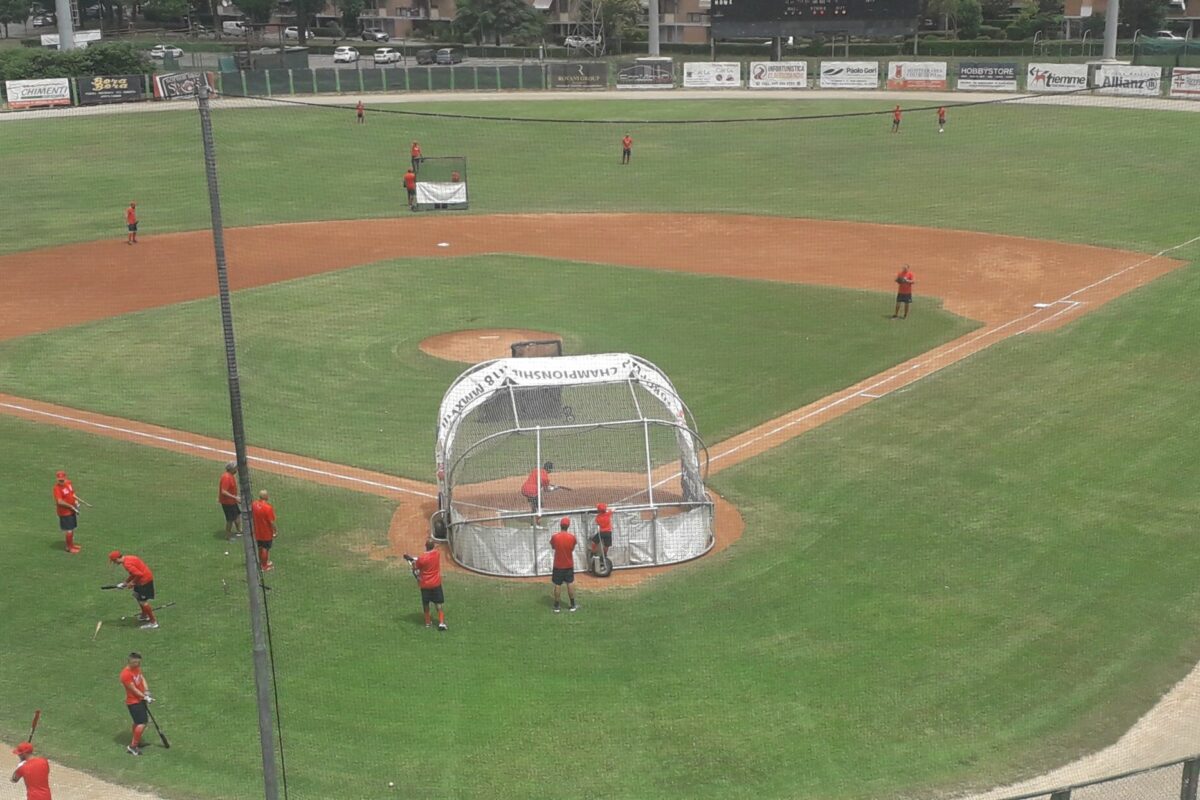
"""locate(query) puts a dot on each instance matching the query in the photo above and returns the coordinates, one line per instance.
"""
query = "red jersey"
(627, 143)
(410, 181)
(64, 493)
(896, 114)
(604, 521)
(264, 520)
(941, 115)
(131, 215)
(429, 565)
(416, 150)
(139, 573)
(132, 678)
(228, 484)
(530, 487)
(564, 550)
(905, 280)
(359, 107)
(36, 773)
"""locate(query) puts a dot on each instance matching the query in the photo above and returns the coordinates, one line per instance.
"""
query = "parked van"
(234, 27)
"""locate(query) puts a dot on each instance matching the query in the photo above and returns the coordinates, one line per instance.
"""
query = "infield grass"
(1076, 174)
(330, 365)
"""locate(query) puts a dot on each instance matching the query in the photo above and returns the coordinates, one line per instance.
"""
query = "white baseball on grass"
(226, 552)
(391, 784)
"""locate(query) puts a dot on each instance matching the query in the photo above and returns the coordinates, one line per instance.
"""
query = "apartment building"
(1183, 16)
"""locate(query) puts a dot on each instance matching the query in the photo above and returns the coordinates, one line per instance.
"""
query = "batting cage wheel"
(523, 438)
(600, 565)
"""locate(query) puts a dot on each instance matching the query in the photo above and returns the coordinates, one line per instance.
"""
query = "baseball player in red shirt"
(415, 152)
(941, 119)
(529, 489)
(410, 186)
(896, 119)
(131, 222)
(361, 111)
(66, 504)
(230, 500)
(626, 148)
(603, 535)
(427, 569)
(904, 280)
(265, 530)
(137, 698)
(563, 544)
(141, 581)
(34, 770)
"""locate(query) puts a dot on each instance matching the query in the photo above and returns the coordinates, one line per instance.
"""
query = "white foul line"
(208, 449)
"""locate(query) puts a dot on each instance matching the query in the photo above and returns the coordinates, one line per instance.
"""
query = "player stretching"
(141, 581)
(563, 544)
(66, 503)
(137, 698)
(34, 770)
(427, 568)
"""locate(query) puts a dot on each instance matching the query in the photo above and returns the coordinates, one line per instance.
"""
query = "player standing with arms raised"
(141, 581)
(34, 770)
(563, 544)
(66, 504)
(137, 699)
(428, 569)
(265, 531)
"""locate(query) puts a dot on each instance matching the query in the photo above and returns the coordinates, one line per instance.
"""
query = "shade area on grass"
(1091, 175)
(331, 367)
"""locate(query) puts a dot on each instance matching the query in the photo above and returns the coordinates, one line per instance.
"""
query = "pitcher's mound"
(481, 344)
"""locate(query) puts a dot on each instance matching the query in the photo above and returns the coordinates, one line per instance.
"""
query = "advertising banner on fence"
(712, 75)
(180, 85)
(1120, 79)
(105, 89)
(44, 92)
(1185, 83)
(586, 75)
(987, 76)
(81, 38)
(916, 75)
(1056, 77)
(849, 74)
(645, 75)
(778, 74)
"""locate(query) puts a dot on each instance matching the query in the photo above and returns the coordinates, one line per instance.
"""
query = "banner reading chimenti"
(43, 92)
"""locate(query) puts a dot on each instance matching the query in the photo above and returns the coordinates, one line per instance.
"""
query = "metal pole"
(262, 668)
(653, 35)
(1111, 17)
(66, 25)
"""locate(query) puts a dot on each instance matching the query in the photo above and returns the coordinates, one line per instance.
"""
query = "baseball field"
(961, 553)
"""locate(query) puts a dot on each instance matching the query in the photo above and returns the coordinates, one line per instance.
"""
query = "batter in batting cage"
(442, 184)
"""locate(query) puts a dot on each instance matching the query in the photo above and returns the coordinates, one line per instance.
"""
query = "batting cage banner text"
(101, 89)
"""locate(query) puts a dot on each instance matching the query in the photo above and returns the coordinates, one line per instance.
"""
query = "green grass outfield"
(908, 611)
(1081, 175)
(330, 365)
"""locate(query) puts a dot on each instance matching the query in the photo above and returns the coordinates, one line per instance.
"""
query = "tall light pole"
(66, 25)
(1111, 17)
(652, 38)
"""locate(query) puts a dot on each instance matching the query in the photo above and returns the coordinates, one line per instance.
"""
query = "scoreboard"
(732, 19)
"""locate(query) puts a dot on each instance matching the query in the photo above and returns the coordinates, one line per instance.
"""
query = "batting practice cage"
(442, 184)
(519, 439)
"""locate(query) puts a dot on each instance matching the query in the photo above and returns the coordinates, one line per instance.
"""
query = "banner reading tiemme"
(1056, 77)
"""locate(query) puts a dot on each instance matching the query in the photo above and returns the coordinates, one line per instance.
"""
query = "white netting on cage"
(520, 438)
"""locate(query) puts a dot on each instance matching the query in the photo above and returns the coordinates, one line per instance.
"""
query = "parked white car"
(387, 55)
(292, 32)
(581, 41)
(347, 55)
(1167, 35)
(164, 50)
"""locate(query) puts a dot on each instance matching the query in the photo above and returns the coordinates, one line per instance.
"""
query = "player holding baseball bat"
(66, 504)
(427, 569)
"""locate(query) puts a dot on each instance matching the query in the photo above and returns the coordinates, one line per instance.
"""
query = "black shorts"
(625, 151)
(903, 298)
(433, 596)
(563, 575)
(67, 523)
(132, 228)
(265, 544)
(602, 536)
(412, 193)
(533, 504)
(144, 593)
(231, 512)
(139, 713)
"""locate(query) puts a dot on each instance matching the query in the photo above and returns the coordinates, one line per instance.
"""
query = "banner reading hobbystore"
(778, 74)
(1185, 83)
(1123, 79)
(987, 76)
(181, 85)
(1056, 77)
(712, 75)
(916, 75)
(44, 92)
(849, 74)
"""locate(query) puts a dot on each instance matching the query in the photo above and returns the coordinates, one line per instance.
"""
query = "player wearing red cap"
(265, 531)
(529, 489)
(66, 503)
(563, 544)
(427, 568)
(137, 698)
(141, 581)
(34, 770)
(603, 535)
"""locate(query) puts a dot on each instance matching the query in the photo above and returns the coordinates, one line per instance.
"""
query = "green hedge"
(101, 59)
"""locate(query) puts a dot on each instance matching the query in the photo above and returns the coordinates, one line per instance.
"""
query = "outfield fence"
(1173, 779)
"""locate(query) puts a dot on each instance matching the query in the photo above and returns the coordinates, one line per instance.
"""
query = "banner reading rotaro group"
(916, 75)
(1185, 83)
(1121, 79)
(642, 75)
(43, 92)
(104, 89)
(778, 74)
(1056, 77)
(987, 76)
(712, 75)
(180, 85)
(579, 75)
(849, 74)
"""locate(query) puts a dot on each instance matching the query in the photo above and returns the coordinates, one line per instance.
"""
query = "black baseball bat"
(37, 715)
(162, 737)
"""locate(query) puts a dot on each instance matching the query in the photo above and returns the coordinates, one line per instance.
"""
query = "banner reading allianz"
(712, 75)
(849, 75)
(44, 92)
(916, 75)
(1123, 79)
(987, 76)
(778, 74)
(1185, 83)
(1056, 77)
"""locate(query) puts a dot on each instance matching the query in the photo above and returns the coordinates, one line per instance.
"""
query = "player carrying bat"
(427, 569)
(141, 581)
(137, 698)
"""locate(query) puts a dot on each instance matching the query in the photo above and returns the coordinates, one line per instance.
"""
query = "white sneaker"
(133, 751)
(149, 626)
(442, 626)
